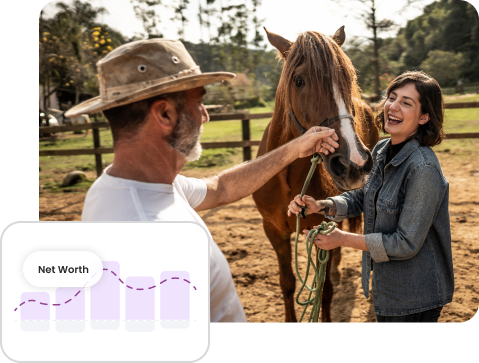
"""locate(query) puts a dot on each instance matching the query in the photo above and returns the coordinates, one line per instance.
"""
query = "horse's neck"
(276, 138)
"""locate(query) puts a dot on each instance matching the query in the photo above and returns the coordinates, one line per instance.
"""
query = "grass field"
(215, 160)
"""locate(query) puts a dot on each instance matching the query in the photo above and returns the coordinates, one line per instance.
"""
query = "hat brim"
(181, 84)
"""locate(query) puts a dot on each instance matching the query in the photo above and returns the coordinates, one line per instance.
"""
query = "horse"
(62, 120)
(318, 86)
(78, 120)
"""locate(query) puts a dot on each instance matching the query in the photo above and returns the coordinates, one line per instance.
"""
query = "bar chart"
(105, 297)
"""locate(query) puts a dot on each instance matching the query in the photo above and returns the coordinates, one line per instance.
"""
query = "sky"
(285, 17)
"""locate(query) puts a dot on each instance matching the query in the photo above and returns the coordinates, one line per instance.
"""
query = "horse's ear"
(340, 36)
(280, 43)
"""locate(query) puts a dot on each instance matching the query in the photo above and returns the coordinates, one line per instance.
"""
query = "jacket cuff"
(374, 241)
(341, 209)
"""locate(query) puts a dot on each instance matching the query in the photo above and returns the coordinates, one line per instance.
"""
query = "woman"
(407, 235)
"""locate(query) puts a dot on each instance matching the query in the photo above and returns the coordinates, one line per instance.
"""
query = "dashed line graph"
(105, 302)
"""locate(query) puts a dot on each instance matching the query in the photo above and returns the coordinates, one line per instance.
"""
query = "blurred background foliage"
(443, 41)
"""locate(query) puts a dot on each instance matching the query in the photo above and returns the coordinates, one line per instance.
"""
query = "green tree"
(146, 11)
(179, 8)
(447, 25)
(367, 12)
(71, 43)
(444, 66)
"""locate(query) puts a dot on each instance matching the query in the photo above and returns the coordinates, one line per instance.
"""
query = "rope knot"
(316, 158)
(322, 256)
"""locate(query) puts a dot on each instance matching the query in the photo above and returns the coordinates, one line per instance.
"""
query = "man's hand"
(326, 207)
(242, 180)
(316, 139)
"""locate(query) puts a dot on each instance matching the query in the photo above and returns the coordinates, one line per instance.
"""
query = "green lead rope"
(322, 256)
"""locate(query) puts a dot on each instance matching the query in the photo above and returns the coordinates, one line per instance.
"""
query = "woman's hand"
(326, 207)
(297, 203)
(328, 241)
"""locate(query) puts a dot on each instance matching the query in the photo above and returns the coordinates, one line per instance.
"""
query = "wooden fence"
(245, 143)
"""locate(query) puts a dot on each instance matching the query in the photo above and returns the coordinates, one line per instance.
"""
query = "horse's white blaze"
(347, 130)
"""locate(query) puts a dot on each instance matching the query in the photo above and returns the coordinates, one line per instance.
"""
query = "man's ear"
(164, 113)
(424, 119)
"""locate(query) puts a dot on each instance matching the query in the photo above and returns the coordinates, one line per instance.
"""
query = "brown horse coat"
(273, 198)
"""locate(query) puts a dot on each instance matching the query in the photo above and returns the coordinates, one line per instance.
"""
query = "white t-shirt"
(117, 199)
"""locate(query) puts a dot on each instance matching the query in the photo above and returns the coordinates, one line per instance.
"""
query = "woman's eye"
(299, 82)
(407, 104)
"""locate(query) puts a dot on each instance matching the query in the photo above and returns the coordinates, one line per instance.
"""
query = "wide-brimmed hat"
(143, 69)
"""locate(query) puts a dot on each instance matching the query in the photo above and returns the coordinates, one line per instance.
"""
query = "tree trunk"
(377, 87)
(46, 90)
(77, 96)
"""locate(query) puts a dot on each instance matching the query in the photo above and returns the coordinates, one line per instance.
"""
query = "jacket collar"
(381, 155)
(407, 150)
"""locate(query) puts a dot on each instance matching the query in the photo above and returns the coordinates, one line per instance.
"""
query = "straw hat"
(143, 69)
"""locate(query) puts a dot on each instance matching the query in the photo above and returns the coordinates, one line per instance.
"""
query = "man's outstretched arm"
(244, 179)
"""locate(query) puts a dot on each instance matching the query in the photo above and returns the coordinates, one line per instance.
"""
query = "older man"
(151, 92)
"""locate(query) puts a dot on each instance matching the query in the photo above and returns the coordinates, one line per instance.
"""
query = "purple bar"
(140, 303)
(175, 296)
(105, 295)
(75, 309)
(33, 310)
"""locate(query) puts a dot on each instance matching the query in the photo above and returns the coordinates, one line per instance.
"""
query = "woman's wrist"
(353, 240)
(326, 207)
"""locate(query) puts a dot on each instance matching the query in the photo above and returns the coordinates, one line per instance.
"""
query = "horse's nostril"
(338, 167)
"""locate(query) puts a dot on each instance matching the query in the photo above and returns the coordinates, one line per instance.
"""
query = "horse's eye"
(299, 82)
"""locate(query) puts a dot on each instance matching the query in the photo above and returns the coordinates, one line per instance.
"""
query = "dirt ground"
(238, 231)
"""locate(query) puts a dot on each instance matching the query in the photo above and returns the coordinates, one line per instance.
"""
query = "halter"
(326, 123)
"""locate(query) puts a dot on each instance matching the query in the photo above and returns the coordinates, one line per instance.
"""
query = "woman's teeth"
(394, 120)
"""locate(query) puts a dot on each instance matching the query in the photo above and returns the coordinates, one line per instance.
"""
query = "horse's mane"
(327, 64)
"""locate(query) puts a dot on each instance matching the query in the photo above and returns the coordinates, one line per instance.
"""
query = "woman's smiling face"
(402, 113)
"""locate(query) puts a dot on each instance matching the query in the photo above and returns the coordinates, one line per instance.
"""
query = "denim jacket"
(408, 233)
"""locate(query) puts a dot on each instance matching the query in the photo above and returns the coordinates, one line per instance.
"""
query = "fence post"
(96, 144)
(246, 137)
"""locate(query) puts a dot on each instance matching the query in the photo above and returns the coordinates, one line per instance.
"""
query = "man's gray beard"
(185, 137)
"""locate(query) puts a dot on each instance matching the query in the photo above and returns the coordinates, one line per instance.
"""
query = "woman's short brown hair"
(430, 97)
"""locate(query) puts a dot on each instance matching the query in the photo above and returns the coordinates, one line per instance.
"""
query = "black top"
(394, 150)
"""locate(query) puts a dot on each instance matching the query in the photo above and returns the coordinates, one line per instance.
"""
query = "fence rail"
(246, 143)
